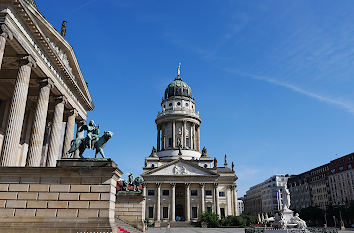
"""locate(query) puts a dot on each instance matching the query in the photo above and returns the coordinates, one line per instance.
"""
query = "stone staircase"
(180, 224)
(125, 227)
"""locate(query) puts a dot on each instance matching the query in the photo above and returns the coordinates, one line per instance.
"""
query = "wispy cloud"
(340, 103)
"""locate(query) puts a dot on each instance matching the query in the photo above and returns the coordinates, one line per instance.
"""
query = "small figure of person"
(92, 133)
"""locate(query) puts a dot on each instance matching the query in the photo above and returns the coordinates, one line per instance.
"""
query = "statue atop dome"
(179, 71)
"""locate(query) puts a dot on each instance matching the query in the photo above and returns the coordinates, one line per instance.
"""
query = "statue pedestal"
(86, 162)
(78, 195)
(288, 216)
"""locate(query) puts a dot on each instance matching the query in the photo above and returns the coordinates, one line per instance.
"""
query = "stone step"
(126, 226)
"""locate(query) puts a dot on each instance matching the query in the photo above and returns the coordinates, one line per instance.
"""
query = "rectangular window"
(194, 192)
(169, 142)
(165, 212)
(208, 193)
(165, 192)
(151, 192)
(194, 212)
(222, 212)
(221, 194)
(151, 212)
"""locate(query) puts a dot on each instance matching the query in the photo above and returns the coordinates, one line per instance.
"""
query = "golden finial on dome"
(178, 70)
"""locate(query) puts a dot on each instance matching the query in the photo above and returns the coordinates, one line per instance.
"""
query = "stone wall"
(67, 198)
(130, 208)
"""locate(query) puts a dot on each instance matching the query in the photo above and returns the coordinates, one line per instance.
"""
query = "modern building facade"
(329, 184)
(341, 180)
(181, 180)
(266, 196)
(240, 206)
(43, 93)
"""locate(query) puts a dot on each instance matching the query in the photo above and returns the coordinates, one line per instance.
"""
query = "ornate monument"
(131, 182)
(285, 218)
(91, 141)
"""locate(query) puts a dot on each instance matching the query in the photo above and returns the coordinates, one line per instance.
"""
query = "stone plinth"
(130, 207)
(71, 197)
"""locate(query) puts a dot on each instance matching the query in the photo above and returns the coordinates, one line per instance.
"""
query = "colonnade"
(231, 200)
(194, 137)
(15, 119)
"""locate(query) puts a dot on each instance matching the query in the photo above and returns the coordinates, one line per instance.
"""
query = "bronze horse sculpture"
(81, 144)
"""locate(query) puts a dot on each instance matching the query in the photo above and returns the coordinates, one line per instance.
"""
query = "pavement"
(207, 230)
(195, 230)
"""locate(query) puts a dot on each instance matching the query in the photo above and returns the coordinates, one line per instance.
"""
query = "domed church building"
(180, 180)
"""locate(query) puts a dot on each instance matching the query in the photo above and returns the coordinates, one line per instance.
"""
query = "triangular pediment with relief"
(181, 168)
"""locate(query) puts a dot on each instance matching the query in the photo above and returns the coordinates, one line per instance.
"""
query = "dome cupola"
(177, 87)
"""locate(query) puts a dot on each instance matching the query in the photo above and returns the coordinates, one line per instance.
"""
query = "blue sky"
(273, 80)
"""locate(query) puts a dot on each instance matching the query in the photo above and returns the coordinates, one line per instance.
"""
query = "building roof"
(178, 88)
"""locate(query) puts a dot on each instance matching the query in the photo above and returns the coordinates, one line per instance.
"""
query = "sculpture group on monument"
(92, 140)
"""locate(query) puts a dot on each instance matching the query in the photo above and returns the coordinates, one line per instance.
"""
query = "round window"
(152, 165)
(178, 103)
(170, 104)
(205, 166)
(187, 104)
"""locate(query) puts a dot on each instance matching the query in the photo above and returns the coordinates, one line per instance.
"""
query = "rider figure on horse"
(92, 133)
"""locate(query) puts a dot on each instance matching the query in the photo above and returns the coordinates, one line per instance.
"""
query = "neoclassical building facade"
(180, 180)
(43, 94)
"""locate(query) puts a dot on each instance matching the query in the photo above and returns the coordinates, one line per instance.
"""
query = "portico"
(42, 90)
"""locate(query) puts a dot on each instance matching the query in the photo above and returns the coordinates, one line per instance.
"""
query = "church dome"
(178, 88)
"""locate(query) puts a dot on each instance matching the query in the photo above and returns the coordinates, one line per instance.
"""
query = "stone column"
(173, 204)
(54, 143)
(79, 134)
(193, 130)
(174, 134)
(38, 128)
(191, 137)
(202, 192)
(158, 138)
(158, 204)
(5, 33)
(216, 196)
(184, 134)
(69, 131)
(143, 208)
(17, 112)
(198, 138)
(188, 203)
(228, 200)
(235, 200)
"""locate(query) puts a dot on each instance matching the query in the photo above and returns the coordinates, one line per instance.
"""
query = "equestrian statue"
(92, 140)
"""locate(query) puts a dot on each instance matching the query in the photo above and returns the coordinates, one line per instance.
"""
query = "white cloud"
(340, 103)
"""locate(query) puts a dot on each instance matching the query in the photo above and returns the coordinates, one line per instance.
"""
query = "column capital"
(187, 184)
(26, 59)
(202, 185)
(158, 185)
(173, 185)
(5, 32)
(60, 99)
(216, 185)
(45, 82)
(73, 112)
(143, 185)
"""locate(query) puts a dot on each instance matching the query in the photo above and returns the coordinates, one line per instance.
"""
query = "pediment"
(180, 168)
